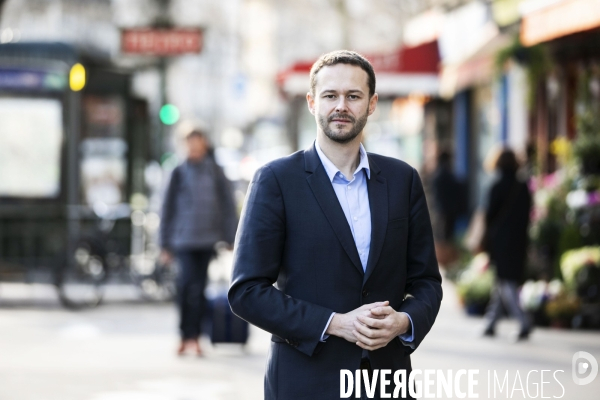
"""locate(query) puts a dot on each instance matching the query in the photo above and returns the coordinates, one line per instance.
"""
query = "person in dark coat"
(507, 220)
(446, 198)
(198, 211)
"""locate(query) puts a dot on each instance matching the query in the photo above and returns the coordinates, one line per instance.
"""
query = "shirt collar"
(332, 170)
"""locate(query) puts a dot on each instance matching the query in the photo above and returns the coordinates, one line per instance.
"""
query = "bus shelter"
(73, 147)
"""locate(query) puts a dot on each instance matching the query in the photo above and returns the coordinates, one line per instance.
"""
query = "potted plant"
(573, 261)
(475, 284)
(587, 152)
(535, 295)
(562, 309)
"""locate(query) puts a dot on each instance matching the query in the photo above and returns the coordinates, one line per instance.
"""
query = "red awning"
(408, 70)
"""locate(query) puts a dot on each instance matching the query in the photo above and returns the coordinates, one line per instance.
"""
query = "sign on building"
(161, 42)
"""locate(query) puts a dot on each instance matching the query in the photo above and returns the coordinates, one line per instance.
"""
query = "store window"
(31, 134)
(103, 150)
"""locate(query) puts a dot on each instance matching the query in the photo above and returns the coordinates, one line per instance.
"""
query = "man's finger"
(374, 305)
(367, 343)
(364, 330)
(370, 332)
(379, 311)
(366, 340)
(372, 322)
(367, 313)
(370, 348)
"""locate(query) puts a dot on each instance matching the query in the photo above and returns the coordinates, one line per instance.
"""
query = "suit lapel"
(329, 203)
(378, 204)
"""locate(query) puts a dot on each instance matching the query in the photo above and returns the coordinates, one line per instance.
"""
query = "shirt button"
(365, 293)
(349, 187)
(356, 219)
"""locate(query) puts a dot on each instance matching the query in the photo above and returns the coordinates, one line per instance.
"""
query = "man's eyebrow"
(335, 91)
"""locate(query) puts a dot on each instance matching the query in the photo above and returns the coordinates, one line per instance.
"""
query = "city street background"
(98, 97)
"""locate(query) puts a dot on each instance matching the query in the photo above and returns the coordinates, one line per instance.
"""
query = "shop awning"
(408, 70)
(559, 19)
(476, 70)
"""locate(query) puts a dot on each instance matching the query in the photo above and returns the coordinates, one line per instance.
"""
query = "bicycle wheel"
(80, 281)
(156, 281)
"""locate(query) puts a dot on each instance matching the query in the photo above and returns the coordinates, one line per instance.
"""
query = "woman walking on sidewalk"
(506, 240)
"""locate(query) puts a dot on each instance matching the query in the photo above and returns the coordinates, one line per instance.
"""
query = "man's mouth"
(341, 120)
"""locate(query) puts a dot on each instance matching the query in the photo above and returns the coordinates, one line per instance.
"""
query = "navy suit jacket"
(293, 233)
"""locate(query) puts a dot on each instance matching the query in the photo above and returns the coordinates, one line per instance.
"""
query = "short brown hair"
(343, 57)
(197, 133)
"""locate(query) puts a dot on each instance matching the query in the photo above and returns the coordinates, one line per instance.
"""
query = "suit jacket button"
(365, 293)
(287, 341)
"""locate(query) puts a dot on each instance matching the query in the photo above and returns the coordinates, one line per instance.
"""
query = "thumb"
(382, 310)
(379, 304)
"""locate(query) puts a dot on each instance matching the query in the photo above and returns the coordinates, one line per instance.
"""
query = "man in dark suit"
(346, 237)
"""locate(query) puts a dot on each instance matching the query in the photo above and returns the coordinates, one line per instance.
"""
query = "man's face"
(196, 148)
(341, 102)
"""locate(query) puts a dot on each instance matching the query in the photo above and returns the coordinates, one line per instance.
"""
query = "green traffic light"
(169, 114)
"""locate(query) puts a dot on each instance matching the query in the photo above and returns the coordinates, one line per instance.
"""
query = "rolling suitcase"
(225, 326)
(222, 325)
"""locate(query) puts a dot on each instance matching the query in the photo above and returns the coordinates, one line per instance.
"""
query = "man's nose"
(341, 105)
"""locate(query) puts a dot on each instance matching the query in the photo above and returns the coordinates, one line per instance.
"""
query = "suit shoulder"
(284, 164)
(281, 166)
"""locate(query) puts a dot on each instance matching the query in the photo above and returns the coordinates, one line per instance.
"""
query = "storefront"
(73, 142)
(489, 102)
(568, 32)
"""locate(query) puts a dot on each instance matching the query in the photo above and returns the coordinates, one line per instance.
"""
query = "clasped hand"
(370, 326)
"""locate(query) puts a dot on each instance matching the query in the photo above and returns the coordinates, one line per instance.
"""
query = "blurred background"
(96, 98)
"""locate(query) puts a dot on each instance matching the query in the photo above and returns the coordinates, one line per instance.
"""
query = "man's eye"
(353, 97)
(329, 96)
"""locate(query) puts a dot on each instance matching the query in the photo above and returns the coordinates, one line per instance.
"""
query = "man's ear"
(310, 100)
(373, 103)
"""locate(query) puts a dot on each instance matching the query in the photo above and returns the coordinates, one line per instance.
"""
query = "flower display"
(574, 260)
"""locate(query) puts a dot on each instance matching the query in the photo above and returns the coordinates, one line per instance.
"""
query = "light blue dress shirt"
(354, 199)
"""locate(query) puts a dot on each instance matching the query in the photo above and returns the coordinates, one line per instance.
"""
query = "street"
(125, 350)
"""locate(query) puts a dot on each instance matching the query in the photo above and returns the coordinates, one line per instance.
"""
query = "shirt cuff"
(323, 335)
(407, 338)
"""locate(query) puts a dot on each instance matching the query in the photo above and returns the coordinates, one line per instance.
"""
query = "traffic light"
(77, 77)
(169, 114)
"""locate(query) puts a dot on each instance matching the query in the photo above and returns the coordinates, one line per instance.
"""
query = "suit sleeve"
(258, 253)
(423, 286)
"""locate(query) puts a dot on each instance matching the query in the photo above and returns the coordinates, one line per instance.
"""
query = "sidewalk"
(455, 342)
(126, 351)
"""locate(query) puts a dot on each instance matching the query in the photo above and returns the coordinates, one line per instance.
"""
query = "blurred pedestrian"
(447, 204)
(505, 239)
(198, 211)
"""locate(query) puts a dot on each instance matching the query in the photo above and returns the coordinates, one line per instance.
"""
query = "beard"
(338, 135)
